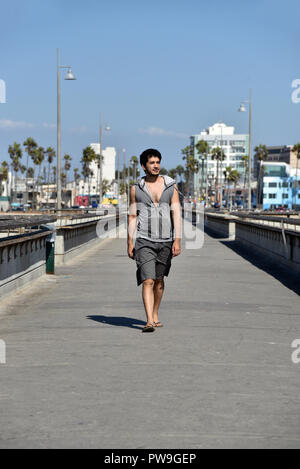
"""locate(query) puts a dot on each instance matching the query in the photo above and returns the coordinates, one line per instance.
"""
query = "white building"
(91, 185)
(109, 161)
(5, 192)
(235, 147)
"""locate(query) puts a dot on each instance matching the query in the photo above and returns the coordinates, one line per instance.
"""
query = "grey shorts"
(153, 259)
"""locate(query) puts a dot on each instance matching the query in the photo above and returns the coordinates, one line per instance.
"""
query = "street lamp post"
(128, 188)
(119, 157)
(206, 182)
(124, 171)
(69, 76)
(107, 128)
(221, 172)
(243, 109)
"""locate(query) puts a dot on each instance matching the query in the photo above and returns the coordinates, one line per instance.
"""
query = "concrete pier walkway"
(80, 374)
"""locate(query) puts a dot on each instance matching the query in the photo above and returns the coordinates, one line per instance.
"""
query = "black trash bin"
(50, 245)
(50, 249)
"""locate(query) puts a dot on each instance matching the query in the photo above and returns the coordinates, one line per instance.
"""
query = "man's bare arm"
(176, 217)
(132, 214)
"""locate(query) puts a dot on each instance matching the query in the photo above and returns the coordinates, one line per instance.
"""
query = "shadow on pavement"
(280, 272)
(119, 321)
(213, 234)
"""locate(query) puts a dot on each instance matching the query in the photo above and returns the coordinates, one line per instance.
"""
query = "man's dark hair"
(144, 157)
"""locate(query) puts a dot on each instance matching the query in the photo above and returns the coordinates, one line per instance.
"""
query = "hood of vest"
(168, 181)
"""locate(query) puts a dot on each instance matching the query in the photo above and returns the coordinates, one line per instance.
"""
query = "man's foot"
(148, 328)
(157, 324)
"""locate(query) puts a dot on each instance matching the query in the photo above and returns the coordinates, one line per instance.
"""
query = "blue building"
(279, 187)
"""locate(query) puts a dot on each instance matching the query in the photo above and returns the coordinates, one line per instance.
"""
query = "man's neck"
(151, 178)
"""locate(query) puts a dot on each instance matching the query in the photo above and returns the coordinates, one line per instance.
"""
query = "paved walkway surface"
(80, 374)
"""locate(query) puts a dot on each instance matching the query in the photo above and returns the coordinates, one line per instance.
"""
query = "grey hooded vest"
(154, 222)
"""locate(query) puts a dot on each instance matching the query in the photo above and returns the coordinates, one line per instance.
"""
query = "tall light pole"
(221, 175)
(107, 128)
(69, 76)
(128, 188)
(119, 157)
(124, 170)
(243, 109)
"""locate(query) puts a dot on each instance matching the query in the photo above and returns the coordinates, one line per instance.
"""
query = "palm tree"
(163, 171)
(233, 177)
(134, 162)
(226, 173)
(122, 188)
(30, 172)
(15, 154)
(261, 153)
(76, 179)
(218, 155)
(88, 155)
(296, 148)
(98, 170)
(30, 145)
(40, 155)
(63, 178)
(67, 166)
(172, 173)
(54, 174)
(180, 171)
(37, 157)
(105, 186)
(190, 165)
(202, 148)
(50, 152)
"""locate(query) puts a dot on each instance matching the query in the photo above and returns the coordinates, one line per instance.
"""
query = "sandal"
(158, 324)
(148, 328)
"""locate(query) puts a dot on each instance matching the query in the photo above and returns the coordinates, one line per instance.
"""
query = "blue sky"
(158, 71)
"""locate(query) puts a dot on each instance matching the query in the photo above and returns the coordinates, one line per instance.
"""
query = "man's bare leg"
(159, 286)
(148, 299)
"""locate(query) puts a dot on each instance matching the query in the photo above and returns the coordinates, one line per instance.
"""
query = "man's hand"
(130, 250)
(176, 248)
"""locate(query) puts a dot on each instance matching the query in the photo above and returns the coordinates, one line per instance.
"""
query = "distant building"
(279, 186)
(235, 147)
(90, 185)
(5, 193)
(279, 153)
(108, 164)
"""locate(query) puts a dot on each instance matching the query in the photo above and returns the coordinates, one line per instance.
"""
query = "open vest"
(154, 222)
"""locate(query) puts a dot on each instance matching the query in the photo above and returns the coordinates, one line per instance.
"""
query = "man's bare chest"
(156, 190)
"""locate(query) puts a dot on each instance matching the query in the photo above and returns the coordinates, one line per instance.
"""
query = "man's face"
(153, 166)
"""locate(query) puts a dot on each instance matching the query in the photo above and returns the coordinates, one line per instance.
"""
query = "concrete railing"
(22, 259)
(277, 244)
(77, 234)
(277, 239)
(23, 243)
(223, 225)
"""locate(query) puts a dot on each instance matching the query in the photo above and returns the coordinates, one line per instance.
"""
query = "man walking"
(155, 215)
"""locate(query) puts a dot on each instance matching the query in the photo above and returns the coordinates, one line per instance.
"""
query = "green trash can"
(50, 257)
(50, 250)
